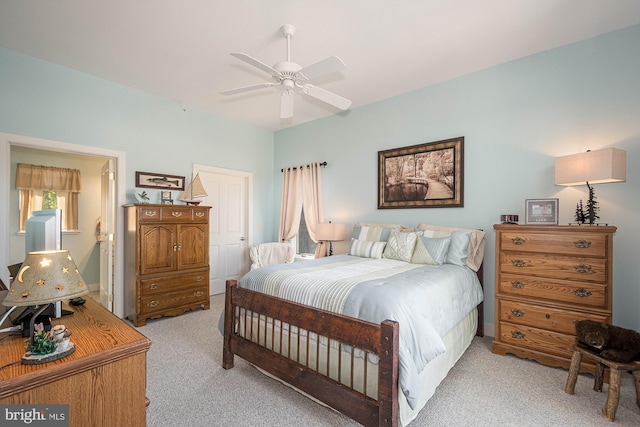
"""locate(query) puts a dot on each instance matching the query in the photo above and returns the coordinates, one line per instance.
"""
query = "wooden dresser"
(104, 381)
(166, 260)
(547, 277)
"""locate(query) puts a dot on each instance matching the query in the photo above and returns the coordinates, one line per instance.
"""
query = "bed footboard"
(312, 349)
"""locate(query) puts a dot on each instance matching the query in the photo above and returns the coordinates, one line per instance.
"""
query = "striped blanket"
(426, 300)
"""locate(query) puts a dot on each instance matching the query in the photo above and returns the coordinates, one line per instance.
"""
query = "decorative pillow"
(459, 248)
(431, 250)
(400, 246)
(372, 234)
(476, 242)
(366, 249)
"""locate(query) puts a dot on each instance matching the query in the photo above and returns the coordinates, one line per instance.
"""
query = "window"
(304, 244)
(48, 187)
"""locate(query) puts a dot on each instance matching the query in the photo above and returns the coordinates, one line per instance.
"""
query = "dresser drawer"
(580, 244)
(157, 303)
(585, 294)
(538, 316)
(182, 215)
(540, 340)
(173, 214)
(555, 266)
(165, 284)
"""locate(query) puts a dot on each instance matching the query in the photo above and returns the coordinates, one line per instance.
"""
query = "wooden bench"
(615, 371)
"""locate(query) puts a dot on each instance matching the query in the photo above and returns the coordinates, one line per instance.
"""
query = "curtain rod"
(323, 164)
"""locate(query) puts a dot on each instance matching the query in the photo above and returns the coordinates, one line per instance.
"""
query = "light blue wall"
(43, 100)
(515, 118)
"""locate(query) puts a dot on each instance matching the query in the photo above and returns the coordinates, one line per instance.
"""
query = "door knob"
(242, 239)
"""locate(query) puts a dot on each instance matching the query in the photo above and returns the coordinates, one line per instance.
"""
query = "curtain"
(312, 202)
(31, 179)
(290, 205)
(302, 189)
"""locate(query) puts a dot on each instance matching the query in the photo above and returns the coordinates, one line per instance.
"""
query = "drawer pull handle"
(154, 303)
(517, 284)
(518, 262)
(198, 279)
(176, 214)
(582, 292)
(517, 312)
(152, 286)
(518, 335)
(199, 214)
(582, 268)
(198, 294)
(518, 241)
(150, 213)
(582, 244)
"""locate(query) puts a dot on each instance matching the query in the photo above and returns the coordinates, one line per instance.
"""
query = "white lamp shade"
(330, 232)
(594, 167)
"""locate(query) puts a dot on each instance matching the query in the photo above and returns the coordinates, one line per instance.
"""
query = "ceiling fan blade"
(326, 66)
(326, 96)
(252, 61)
(247, 88)
(286, 104)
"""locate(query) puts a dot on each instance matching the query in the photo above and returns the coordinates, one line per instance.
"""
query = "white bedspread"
(427, 301)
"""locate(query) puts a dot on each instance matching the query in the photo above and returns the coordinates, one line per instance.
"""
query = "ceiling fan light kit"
(290, 75)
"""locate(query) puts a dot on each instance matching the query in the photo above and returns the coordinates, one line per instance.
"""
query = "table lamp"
(591, 167)
(44, 278)
(329, 232)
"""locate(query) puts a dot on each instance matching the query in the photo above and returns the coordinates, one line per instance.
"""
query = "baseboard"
(489, 330)
(95, 287)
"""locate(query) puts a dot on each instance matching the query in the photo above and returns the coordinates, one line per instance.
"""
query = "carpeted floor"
(188, 387)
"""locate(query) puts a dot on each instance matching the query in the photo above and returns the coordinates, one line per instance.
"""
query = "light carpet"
(187, 386)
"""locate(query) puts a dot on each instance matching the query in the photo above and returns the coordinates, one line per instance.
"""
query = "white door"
(228, 194)
(106, 234)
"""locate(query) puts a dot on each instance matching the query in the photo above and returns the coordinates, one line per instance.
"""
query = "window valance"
(35, 177)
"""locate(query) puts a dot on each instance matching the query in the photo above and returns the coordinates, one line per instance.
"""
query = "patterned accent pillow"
(431, 250)
(366, 249)
(400, 246)
(371, 234)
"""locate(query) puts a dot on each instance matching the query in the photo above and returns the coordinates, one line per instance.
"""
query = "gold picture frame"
(427, 175)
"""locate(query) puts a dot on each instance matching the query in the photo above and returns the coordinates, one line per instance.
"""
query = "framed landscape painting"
(422, 176)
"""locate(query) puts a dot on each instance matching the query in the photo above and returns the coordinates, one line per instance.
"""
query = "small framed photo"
(165, 197)
(541, 211)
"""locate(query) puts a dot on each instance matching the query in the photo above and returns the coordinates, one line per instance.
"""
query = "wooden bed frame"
(381, 340)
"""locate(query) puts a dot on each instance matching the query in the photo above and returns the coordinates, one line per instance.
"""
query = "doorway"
(114, 294)
(228, 194)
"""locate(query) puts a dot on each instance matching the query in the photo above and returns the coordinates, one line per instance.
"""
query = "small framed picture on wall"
(541, 211)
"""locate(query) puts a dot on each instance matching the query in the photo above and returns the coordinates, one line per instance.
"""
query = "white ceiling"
(179, 49)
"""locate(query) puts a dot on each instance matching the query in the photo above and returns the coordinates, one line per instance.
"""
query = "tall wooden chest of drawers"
(167, 260)
(547, 277)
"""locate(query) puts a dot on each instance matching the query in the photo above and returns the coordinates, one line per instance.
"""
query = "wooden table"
(103, 381)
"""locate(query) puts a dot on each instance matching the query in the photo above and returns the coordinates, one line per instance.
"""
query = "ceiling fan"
(290, 75)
